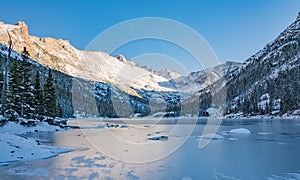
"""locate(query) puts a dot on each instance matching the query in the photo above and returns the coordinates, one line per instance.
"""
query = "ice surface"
(186, 162)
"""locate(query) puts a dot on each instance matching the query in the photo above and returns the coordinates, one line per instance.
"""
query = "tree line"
(25, 95)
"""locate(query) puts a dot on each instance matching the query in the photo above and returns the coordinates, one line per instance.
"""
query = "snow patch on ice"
(14, 147)
(15, 128)
(263, 133)
(240, 131)
(212, 136)
(233, 139)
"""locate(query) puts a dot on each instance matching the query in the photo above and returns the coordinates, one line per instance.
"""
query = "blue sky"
(235, 29)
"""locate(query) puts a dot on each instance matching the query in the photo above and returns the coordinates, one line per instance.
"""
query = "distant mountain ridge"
(99, 66)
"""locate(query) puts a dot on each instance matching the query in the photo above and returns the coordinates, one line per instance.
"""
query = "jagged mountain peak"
(97, 66)
(23, 24)
(198, 80)
(169, 74)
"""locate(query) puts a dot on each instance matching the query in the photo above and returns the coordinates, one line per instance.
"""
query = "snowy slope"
(99, 66)
(267, 83)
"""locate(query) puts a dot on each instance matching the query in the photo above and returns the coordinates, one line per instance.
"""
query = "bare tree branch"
(4, 86)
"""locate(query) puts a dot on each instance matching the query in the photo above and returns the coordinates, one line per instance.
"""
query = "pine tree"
(285, 101)
(38, 96)
(26, 87)
(59, 111)
(49, 96)
(27, 94)
(13, 99)
(246, 106)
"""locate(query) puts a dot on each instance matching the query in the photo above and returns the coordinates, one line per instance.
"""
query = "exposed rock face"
(23, 29)
(122, 58)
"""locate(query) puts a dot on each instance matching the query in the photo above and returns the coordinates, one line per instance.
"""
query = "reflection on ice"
(98, 153)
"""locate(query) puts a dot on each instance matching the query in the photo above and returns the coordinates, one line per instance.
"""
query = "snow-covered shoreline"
(14, 146)
(183, 119)
(215, 115)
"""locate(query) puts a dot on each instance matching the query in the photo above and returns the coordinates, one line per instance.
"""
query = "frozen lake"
(271, 151)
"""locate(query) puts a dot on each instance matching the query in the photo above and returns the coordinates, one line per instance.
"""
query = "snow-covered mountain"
(98, 66)
(201, 79)
(266, 83)
(114, 81)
